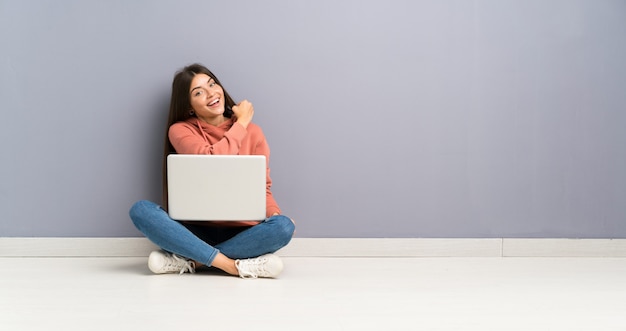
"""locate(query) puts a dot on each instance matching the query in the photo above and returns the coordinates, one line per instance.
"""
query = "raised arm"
(189, 139)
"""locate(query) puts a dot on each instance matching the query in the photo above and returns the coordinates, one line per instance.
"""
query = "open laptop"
(216, 187)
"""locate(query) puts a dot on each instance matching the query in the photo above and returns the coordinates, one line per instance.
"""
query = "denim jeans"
(201, 243)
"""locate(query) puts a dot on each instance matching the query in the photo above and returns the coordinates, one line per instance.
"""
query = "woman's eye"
(198, 93)
(212, 84)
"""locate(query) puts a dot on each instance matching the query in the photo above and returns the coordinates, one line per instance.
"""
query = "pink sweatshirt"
(194, 136)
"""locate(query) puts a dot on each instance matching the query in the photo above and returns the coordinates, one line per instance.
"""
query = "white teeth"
(214, 102)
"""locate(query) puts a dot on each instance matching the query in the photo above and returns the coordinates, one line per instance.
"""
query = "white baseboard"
(392, 247)
(75, 247)
(564, 247)
(335, 247)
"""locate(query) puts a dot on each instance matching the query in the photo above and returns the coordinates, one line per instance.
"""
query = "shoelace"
(182, 263)
(251, 268)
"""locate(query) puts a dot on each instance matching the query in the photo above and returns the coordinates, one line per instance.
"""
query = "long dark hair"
(180, 106)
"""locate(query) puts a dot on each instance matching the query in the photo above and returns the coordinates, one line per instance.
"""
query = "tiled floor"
(318, 294)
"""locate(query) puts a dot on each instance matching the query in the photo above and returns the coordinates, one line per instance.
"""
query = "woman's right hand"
(244, 112)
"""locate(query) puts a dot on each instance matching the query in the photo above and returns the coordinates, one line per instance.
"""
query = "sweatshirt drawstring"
(204, 135)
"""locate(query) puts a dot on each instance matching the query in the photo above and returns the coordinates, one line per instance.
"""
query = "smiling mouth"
(214, 102)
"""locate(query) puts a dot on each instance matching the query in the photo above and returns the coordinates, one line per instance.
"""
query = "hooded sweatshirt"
(194, 136)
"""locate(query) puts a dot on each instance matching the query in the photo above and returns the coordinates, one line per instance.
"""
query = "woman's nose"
(210, 91)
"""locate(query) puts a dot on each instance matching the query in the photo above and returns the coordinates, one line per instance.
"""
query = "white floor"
(318, 294)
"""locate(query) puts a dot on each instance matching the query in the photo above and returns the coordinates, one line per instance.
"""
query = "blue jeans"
(202, 243)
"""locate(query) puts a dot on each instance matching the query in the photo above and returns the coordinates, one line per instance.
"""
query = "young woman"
(204, 119)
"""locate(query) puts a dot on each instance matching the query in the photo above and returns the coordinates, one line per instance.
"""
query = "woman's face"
(207, 98)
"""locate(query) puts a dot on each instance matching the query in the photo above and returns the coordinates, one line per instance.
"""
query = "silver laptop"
(216, 187)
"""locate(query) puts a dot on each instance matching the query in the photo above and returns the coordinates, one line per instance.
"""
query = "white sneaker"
(268, 265)
(161, 262)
